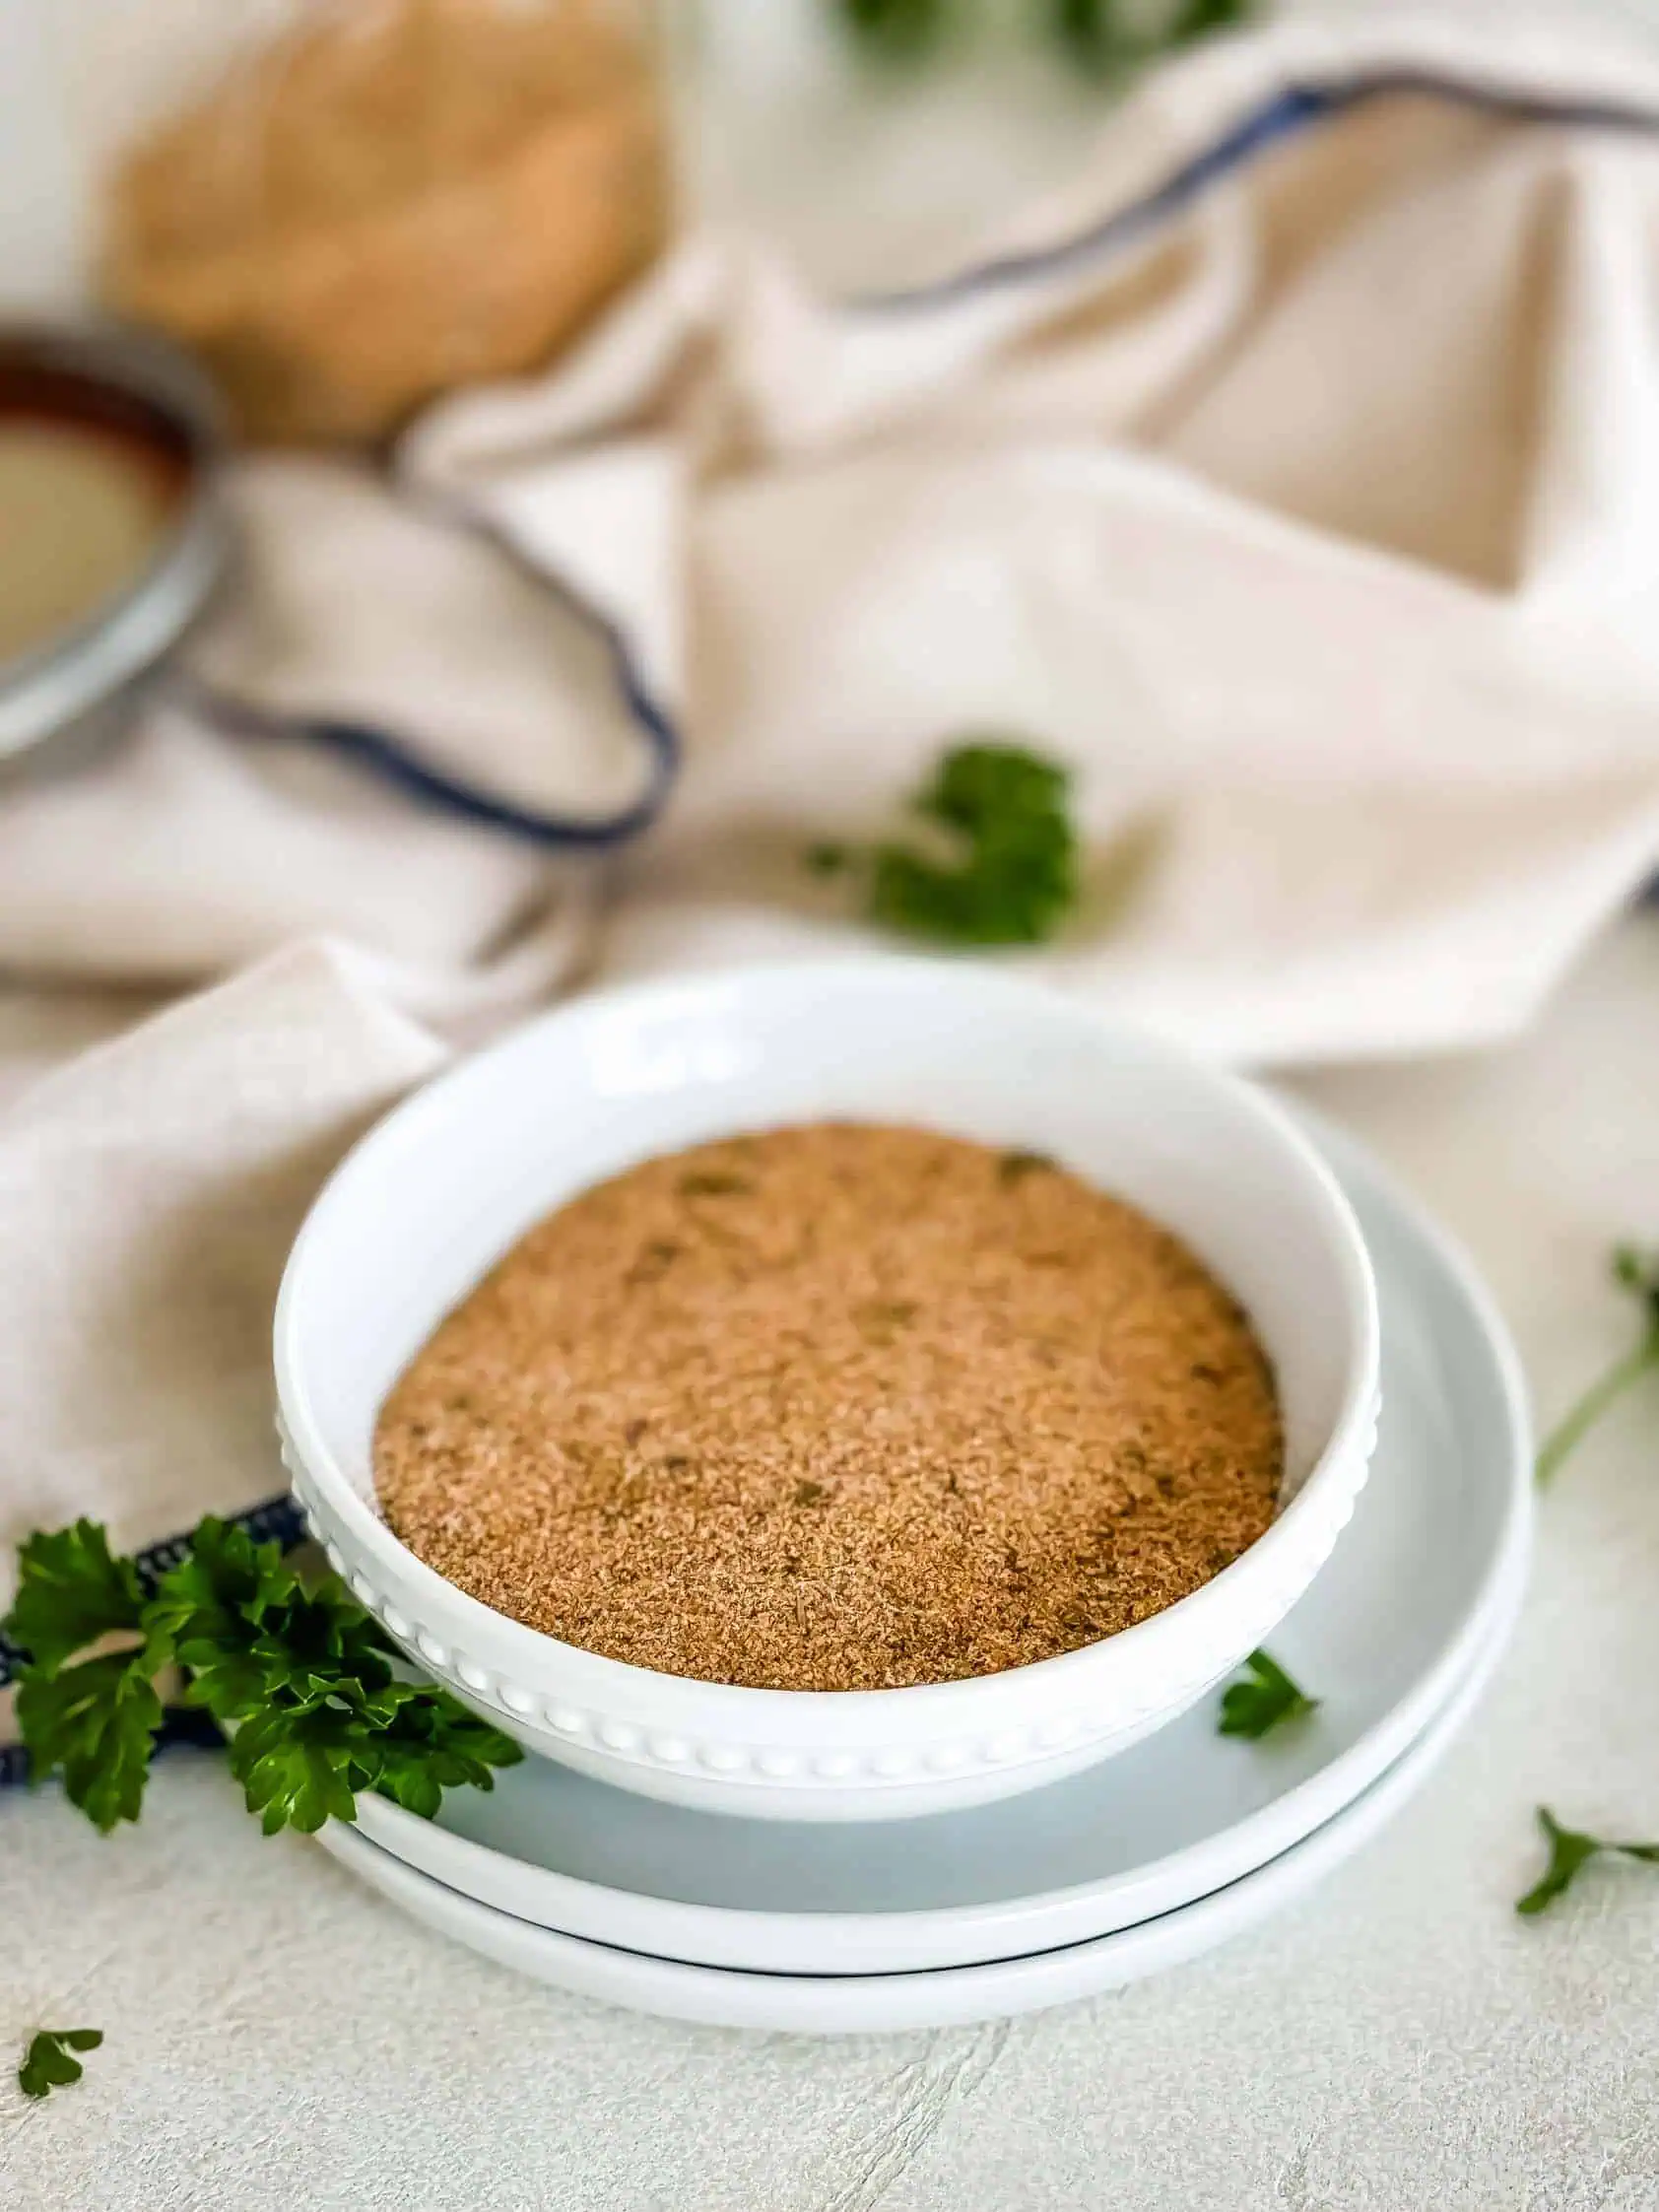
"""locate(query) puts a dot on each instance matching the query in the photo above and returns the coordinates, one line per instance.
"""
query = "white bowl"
(433, 1195)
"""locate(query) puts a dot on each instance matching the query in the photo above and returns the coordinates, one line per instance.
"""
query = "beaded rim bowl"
(450, 1179)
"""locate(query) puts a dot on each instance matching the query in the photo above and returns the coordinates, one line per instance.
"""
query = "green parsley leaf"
(211, 1607)
(301, 1677)
(1569, 1851)
(1252, 1708)
(1015, 878)
(229, 1684)
(223, 1585)
(299, 1768)
(248, 1630)
(1103, 36)
(434, 1744)
(319, 1642)
(1637, 1272)
(410, 1741)
(70, 1592)
(896, 31)
(48, 2064)
(1003, 864)
(96, 1723)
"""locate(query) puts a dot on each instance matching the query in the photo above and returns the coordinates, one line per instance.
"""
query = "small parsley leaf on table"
(1570, 1850)
(48, 2064)
(1264, 1701)
(1636, 1272)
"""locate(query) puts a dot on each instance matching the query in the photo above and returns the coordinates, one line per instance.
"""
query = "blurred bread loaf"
(396, 197)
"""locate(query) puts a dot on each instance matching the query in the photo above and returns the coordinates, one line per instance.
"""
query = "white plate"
(1430, 1562)
(863, 2004)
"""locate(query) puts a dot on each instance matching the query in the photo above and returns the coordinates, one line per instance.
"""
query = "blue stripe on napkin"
(180, 1725)
(1298, 106)
(1284, 115)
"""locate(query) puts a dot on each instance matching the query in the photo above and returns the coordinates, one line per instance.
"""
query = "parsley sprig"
(1637, 1272)
(49, 2062)
(896, 31)
(1100, 36)
(1104, 35)
(297, 1675)
(1264, 1702)
(1005, 870)
(1571, 1849)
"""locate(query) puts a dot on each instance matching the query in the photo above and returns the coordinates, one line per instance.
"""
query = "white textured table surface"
(1398, 2042)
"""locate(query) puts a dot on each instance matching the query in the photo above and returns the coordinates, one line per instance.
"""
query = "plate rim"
(933, 1939)
(938, 1996)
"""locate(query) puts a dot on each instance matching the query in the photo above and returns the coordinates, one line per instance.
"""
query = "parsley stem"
(1582, 1416)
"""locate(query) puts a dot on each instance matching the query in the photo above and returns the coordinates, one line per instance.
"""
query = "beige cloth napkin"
(1317, 528)
(149, 1194)
(1314, 522)
(189, 852)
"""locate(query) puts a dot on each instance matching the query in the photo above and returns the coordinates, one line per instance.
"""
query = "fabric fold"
(1294, 464)
(149, 1194)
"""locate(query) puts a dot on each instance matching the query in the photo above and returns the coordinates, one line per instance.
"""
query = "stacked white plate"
(1158, 1854)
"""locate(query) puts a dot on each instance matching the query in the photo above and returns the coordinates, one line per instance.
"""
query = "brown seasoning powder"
(835, 1408)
